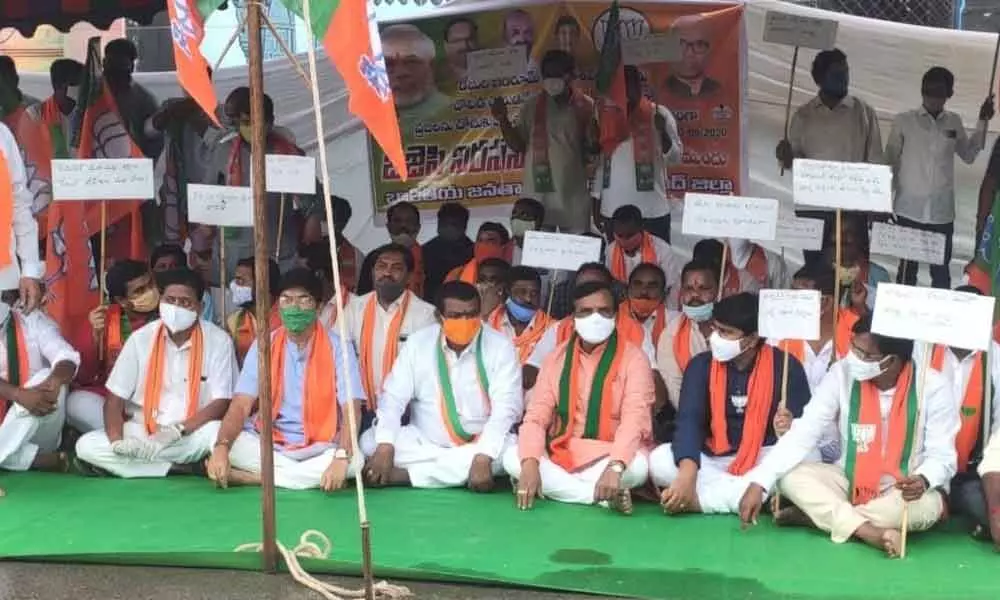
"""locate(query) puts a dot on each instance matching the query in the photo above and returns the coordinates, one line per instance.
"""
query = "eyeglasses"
(300, 300)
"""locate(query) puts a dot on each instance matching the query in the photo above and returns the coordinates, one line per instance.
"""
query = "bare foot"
(622, 502)
(238, 477)
(792, 516)
(889, 541)
(678, 509)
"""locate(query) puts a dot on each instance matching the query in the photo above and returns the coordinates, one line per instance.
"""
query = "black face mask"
(389, 290)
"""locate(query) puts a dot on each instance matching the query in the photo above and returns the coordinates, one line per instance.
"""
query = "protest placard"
(497, 63)
(958, 319)
(290, 174)
(845, 185)
(545, 250)
(220, 205)
(799, 30)
(908, 243)
(102, 179)
(801, 233)
(710, 215)
(789, 314)
(651, 48)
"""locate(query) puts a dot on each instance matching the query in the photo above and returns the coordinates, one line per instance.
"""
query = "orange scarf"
(841, 341)
(416, 284)
(972, 403)
(756, 266)
(865, 462)
(389, 352)
(761, 397)
(682, 343)
(596, 415)
(154, 376)
(631, 329)
(18, 367)
(646, 249)
(320, 411)
(565, 330)
(469, 272)
(526, 341)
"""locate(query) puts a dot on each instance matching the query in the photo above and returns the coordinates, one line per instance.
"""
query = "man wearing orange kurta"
(601, 388)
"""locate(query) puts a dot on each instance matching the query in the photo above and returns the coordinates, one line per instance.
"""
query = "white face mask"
(724, 350)
(595, 328)
(176, 318)
(241, 294)
(554, 86)
(862, 370)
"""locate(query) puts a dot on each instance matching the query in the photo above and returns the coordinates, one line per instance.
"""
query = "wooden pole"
(836, 280)
(788, 103)
(993, 80)
(722, 271)
(262, 286)
(223, 276)
(987, 395)
(552, 289)
(783, 403)
(925, 362)
(103, 275)
(281, 228)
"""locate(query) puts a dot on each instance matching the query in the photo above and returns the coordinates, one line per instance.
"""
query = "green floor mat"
(456, 535)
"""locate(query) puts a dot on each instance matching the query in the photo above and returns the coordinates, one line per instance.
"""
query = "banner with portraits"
(445, 73)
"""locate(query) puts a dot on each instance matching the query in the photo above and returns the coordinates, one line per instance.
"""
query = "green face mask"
(297, 320)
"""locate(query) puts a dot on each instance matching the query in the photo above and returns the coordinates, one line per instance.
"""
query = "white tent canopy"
(887, 62)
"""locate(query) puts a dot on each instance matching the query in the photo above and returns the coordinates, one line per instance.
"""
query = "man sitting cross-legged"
(462, 384)
(899, 450)
(36, 364)
(596, 393)
(311, 384)
(729, 414)
(173, 379)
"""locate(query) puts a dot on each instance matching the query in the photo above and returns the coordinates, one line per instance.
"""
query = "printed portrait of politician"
(688, 78)
(409, 58)
(461, 36)
(519, 30)
(568, 37)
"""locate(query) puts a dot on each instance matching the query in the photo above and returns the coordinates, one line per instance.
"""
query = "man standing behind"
(451, 247)
(921, 150)
(25, 269)
(135, 104)
(462, 384)
(402, 222)
(634, 172)
(555, 131)
(65, 75)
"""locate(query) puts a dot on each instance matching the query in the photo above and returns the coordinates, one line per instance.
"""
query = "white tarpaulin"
(887, 62)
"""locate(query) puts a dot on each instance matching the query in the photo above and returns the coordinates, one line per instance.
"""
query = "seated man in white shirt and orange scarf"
(899, 449)
(520, 317)
(314, 375)
(242, 322)
(461, 382)
(632, 246)
(172, 381)
(749, 267)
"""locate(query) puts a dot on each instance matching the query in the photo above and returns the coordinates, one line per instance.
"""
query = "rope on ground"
(314, 544)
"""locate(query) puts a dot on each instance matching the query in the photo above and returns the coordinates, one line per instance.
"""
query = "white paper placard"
(958, 319)
(652, 48)
(908, 243)
(798, 30)
(563, 251)
(710, 215)
(102, 179)
(220, 205)
(850, 186)
(289, 174)
(789, 314)
(497, 63)
(801, 233)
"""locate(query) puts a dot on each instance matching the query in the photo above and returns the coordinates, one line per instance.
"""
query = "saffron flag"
(612, 101)
(187, 28)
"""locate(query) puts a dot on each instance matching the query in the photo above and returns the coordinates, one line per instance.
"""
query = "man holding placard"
(686, 334)
(726, 418)
(634, 174)
(898, 448)
(921, 150)
(633, 246)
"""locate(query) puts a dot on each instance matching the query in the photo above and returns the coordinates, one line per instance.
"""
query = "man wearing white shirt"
(25, 268)
(174, 379)
(750, 268)
(921, 151)
(635, 172)
(379, 322)
(631, 246)
(36, 365)
(462, 384)
(898, 448)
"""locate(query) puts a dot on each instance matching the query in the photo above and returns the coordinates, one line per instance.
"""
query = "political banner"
(454, 148)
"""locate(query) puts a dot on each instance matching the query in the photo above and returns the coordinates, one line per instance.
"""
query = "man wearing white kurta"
(899, 448)
(25, 268)
(173, 418)
(462, 382)
(36, 369)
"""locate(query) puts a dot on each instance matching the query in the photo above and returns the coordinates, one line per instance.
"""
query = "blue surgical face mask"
(698, 314)
(520, 312)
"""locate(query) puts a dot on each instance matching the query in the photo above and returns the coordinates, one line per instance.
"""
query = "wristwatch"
(617, 466)
(340, 454)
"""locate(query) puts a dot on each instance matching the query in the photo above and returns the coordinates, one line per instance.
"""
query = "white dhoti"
(304, 472)
(821, 492)
(85, 411)
(578, 487)
(95, 448)
(433, 466)
(718, 490)
(23, 435)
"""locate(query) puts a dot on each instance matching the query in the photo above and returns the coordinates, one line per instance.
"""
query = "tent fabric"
(27, 15)
(887, 62)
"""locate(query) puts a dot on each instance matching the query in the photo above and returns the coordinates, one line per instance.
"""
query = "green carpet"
(455, 535)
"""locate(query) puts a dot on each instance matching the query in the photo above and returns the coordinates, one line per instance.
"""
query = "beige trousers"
(821, 491)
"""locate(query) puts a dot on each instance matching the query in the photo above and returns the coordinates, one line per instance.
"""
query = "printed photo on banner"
(446, 72)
